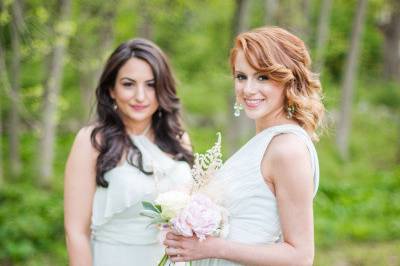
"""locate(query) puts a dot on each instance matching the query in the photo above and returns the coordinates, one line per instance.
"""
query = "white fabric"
(251, 204)
(120, 235)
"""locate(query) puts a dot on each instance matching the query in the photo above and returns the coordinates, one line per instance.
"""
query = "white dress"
(120, 235)
(251, 204)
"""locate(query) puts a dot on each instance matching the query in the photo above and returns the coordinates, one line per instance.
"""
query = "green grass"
(359, 254)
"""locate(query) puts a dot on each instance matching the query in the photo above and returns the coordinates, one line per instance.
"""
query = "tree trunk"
(270, 9)
(391, 43)
(89, 74)
(344, 123)
(305, 21)
(322, 35)
(294, 15)
(52, 91)
(390, 28)
(4, 84)
(1, 146)
(14, 119)
(397, 158)
(145, 29)
(241, 17)
(239, 127)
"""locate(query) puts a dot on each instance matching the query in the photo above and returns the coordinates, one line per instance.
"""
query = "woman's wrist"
(217, 248)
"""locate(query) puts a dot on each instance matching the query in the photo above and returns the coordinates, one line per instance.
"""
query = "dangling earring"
(115, 107)
(159, 113)
(290, 111)
(237, 108)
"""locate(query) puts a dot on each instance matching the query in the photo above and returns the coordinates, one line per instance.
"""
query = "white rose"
(172, 202)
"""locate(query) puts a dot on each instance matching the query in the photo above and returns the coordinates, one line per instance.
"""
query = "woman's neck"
(138, 128)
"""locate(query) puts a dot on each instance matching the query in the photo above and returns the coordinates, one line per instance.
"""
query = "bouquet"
(193, 211)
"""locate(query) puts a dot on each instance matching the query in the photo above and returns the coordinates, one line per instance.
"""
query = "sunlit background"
(53, 51)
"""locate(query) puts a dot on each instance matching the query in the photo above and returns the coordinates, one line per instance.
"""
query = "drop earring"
(237, 108)
(290, 111)
(115, 107)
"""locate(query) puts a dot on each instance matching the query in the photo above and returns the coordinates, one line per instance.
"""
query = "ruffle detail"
(128, 186)
(126, 189)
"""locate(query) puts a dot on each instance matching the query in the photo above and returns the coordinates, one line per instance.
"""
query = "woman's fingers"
(172, 243)
(172, 236)
(179, 259)
(173, 251)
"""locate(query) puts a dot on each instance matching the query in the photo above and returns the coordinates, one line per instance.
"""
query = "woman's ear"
(112, 93)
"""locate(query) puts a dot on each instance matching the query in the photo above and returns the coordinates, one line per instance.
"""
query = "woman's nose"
(140, 93)
(248, 87)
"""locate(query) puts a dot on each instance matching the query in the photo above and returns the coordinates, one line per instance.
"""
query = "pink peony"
(181, 226)
(201, 216)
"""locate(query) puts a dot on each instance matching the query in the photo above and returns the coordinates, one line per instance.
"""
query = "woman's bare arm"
(289, 168)
(79, 189)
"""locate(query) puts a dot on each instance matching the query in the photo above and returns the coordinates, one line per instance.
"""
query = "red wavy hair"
(285, 59)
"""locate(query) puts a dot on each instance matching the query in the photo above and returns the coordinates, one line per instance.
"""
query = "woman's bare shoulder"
(83, 140)
(286, 148)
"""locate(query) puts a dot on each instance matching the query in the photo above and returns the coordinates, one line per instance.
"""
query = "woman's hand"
(181, 248)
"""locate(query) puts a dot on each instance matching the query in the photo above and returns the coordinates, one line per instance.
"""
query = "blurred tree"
(270, 9)
(350, 73)
(52, 91)
(1, 151)
(3, 83)
(390, 27)
(296, 17)
(97, 20)
(239, 127)
(17, 25)
(305, 21)
(145, 25)
(322, 35)
(241, 17)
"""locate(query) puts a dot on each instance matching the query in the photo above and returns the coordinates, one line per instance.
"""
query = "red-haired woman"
(270, 182)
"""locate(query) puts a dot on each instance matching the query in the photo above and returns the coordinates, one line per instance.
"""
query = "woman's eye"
(127, 84)
(240, 77)
(262, 77)
(151, 84)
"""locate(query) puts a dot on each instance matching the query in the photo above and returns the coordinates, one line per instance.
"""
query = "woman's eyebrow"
(130, 79)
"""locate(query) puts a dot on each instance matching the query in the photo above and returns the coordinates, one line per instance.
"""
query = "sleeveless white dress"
(120, 235)
(251, 204)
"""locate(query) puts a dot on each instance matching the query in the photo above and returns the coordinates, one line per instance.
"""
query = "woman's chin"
(254, 114)
(137, 118)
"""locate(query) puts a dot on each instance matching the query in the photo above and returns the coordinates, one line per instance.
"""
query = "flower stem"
(163, 260)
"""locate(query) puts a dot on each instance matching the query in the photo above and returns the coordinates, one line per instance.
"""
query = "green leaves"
(152, 207)
(150, 214)
(153, 211)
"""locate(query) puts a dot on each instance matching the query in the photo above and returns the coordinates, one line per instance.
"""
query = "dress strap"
(268, 134)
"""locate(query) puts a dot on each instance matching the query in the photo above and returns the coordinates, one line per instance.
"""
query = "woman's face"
(262, 98)
(134, 92)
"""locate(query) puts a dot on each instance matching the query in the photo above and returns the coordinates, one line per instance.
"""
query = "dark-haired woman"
(136, 149)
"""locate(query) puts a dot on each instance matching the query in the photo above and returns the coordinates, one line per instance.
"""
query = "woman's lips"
(253, 103)
(139, 107)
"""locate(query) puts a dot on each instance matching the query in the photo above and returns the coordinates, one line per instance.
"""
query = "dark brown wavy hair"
(109, 135)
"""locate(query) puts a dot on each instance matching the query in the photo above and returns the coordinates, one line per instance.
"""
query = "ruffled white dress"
(251, 204)
(120, 235)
